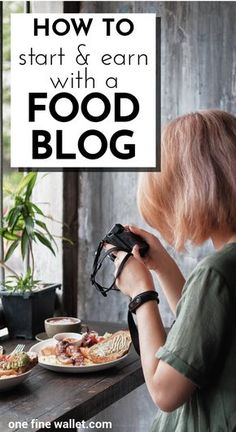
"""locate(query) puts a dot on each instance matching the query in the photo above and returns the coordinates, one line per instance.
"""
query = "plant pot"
(25, 313)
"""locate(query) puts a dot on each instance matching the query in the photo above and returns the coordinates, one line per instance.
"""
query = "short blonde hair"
(194, 195)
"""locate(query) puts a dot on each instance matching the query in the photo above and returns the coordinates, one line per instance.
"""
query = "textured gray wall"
(198, 71)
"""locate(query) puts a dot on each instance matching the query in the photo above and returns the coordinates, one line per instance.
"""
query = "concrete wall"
(198, 71)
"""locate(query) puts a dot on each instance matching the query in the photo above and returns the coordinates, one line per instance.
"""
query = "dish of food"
(94, 353)
(16, 364)
(15, 368)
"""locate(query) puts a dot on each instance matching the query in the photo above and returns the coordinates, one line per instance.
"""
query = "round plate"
(72, 369)
(12, 381)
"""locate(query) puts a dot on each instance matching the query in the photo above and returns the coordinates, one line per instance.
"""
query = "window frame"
(70, 256)
(1, 138)
(70, 197)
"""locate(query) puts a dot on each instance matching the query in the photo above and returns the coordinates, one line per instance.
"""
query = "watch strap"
(142, 298)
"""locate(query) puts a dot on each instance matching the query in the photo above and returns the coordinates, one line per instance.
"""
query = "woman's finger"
(136, 254)
(108, 246)
(119, 258)
(117, 265)
(139, 231)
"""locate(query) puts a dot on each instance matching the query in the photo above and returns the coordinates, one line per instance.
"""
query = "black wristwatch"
(142, 298)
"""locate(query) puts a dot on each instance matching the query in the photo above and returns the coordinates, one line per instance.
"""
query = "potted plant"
(26, 302)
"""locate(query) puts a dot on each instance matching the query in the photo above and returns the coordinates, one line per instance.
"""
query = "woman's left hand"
(135, 278)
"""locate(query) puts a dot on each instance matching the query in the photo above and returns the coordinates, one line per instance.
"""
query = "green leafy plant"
(21, 283)
(24, 224)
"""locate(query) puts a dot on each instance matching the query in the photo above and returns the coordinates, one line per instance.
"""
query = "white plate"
(12, 381)
(72, 369)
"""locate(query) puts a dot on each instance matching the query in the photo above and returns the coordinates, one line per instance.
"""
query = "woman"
(191, 373)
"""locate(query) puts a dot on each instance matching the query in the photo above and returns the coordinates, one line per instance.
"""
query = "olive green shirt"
(201, 345)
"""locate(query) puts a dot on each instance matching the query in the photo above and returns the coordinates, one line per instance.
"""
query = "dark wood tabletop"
(50, 396)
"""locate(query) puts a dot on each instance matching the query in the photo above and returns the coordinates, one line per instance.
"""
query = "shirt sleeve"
(195, 345)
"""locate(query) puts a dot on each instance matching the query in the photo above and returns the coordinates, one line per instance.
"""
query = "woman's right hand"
(157, 258)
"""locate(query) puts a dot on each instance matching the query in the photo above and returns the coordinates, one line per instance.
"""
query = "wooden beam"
(70, 219)
(71, 6)
(70, 252)
(1, 137)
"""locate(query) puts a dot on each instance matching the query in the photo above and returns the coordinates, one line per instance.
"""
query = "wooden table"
(49, 396)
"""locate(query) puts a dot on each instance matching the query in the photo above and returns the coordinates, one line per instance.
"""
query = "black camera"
(125, 240)
(121, 239)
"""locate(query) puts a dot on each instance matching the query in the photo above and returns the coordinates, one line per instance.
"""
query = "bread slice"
(112, 348)
(7, 373)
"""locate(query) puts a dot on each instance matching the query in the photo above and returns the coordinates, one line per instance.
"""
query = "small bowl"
(7, 383)
(60, 336)
(57, 325)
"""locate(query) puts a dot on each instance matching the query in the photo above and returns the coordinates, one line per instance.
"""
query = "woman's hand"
(135, 278)
(156, 258)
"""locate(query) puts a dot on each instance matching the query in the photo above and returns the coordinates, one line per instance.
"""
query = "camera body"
(125, 240)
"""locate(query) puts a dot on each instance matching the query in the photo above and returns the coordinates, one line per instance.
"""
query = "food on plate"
(91, 338)
(110, 349)
(16, 364)
(93, 349)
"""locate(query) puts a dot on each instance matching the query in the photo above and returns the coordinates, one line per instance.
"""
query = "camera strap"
(132, 326)
(122, 264)
(133, 332)
(96, 267)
